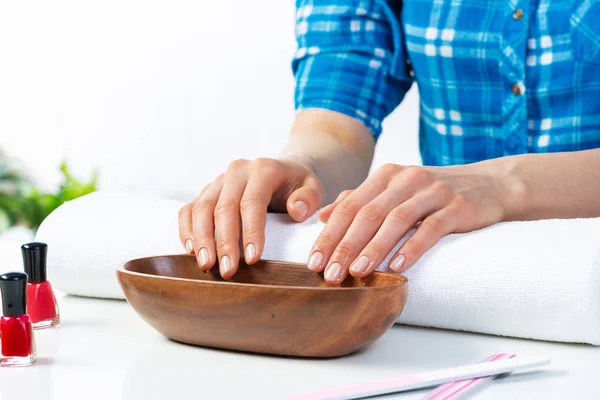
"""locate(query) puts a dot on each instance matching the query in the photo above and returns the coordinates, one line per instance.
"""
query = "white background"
(157, 95)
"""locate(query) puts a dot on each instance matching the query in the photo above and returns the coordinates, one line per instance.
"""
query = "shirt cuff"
(357, 84)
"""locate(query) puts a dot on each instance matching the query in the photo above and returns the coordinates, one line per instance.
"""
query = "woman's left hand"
(363, 225)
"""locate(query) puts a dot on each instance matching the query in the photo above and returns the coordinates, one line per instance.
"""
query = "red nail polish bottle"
(18, 344)
(41, 303)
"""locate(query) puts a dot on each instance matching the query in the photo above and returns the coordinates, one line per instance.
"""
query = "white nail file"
(423, 380)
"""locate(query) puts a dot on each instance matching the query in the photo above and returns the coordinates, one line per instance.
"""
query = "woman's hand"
(363, 226)
(210, 225)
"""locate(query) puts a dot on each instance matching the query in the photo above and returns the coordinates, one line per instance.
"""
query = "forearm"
(559, 185)
(338, 148)
(350, 74)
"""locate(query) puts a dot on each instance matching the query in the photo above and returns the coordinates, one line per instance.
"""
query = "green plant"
(21, 203)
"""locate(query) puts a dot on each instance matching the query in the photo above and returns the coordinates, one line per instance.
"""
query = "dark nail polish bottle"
(16, 330)
(41, 302)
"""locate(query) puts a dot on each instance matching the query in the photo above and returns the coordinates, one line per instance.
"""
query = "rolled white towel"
(536, 280)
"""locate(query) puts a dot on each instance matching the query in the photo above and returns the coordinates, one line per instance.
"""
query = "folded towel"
(526, 279)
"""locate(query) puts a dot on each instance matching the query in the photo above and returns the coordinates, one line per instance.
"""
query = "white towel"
(536, 280)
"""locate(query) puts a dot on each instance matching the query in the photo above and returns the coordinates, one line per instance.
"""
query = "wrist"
(303, 159)
(515, 193)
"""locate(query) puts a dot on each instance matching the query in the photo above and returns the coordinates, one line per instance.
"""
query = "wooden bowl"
(271, 307)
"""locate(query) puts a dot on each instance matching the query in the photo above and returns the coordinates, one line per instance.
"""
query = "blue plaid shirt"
(496, 78)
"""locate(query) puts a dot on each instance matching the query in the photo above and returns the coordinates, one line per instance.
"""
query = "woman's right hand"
(210, 225)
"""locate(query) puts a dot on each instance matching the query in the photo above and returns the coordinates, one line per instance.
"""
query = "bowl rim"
(401, 279)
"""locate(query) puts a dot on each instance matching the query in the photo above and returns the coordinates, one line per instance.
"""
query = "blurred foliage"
(21, 203)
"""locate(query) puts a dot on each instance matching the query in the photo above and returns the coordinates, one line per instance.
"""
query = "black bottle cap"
(34, 260)
(12, 286)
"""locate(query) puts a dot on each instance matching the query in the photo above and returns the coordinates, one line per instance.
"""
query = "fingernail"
(315, 261)
(189, 246)
(301, 207)
(397, 262)
(333, 272)
(250, 252)
(360, 265)
(204, 256)
(225, 265)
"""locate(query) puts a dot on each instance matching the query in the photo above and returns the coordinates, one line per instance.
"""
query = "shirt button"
(409, 70)
(518, 14)
(516, 89)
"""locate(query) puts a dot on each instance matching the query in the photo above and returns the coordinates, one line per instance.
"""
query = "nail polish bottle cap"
(12, 285)
(34, 260)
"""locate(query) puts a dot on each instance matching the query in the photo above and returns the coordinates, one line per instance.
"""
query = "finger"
(337, 225)
(204, 189)
(428, 233)
(364, 226)
(203, 225)
(186, 228)
(396, 224)
(325, 212)
(186, 232)
(304, 201)
(253, 209)
(227, 218)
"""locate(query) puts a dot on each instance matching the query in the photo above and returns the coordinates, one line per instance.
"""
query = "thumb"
(304, 201)
(326, 212)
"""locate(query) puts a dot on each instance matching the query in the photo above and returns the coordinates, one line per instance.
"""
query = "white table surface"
(103, 350)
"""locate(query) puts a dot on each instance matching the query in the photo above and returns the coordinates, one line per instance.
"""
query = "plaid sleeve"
(350, 58)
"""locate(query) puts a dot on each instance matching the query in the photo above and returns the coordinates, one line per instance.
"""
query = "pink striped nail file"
(454, 390)
(423, 380)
